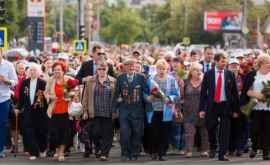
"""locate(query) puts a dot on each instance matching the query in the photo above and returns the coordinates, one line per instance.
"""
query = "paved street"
(76, 158)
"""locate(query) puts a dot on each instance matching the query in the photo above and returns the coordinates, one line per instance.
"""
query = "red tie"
(218, 87)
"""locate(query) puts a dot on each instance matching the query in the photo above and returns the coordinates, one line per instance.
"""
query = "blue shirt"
(223, 94)
(8, 71)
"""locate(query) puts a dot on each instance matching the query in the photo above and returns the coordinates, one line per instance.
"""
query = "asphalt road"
(76, 158)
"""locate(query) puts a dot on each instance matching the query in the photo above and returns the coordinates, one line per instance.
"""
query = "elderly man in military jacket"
(129, 101)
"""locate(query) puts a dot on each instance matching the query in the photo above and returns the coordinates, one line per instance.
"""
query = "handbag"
(75, 109)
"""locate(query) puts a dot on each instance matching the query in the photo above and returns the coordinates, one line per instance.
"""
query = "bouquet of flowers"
(157, 92)
(40, 99)
(253, 102)
(68, 87)
(181, 74)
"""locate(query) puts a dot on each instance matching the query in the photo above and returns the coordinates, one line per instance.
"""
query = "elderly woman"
(33, 105)
(58, 109)
(260, 117)
(97, 105)
(162, 116)
(191, 96)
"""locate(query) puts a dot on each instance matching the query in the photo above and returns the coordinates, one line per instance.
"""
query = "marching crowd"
(156, 100)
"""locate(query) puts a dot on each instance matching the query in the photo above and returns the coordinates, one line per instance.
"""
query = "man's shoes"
(134, 158)
(124, 158)
(2, 154)
(86, 154)
(154, 157)
(212, 154)
(161, 158)
(98, 155)
(266, 155)
(252, 154)
(223, 158)
(239, 153)
(103, 158)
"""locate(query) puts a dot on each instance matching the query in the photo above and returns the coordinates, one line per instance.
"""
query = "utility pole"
(61, 24)
(244, 22)
(81, 19)
(185, 3)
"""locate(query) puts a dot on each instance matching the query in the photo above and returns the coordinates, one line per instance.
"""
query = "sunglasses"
(101, 69)
(101, 54)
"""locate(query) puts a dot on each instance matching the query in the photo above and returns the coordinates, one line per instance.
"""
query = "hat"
(63, 56)
(239, 55)
(129, 61)
(233, 61)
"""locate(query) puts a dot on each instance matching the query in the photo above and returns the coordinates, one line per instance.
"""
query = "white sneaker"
(189, 154)
(32, 158)
(61, 158)
(43, 155)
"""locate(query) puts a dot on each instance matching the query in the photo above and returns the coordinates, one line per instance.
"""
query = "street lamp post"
(61, 22)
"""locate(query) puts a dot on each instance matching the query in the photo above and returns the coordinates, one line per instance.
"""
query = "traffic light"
(2, 11)
(82, 32)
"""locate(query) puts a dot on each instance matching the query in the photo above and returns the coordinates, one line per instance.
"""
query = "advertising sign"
(36, 8)
(223, 21)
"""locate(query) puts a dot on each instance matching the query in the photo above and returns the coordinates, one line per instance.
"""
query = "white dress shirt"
(33, 85)
(8, 71)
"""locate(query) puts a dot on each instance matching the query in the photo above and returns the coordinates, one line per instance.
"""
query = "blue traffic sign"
(80, 46)
(3, 38)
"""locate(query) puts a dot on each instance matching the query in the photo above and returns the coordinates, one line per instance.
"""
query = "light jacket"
(88, 95)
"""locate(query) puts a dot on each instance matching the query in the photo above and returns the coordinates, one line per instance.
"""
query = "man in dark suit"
(88, 68)
(33, 105)
(207, 61)
(219, 102)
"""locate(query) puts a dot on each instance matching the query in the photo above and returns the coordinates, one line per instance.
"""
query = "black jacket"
(87, 69)
(247, 83)
(208, 92)
(24, 102)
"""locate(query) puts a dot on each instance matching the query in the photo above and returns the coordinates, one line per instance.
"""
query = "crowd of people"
(158, 101)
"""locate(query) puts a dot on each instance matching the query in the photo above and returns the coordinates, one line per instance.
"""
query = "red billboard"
(223, 21)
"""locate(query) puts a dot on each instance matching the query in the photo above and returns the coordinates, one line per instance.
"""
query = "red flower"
(72, 83)
(154, 91)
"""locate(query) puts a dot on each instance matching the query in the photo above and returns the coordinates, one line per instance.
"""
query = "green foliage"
(121, 25)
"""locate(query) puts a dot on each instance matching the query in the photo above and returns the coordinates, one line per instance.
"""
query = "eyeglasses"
(101, 69)
(101, 54)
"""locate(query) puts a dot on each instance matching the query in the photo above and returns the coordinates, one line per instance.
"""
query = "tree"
(121, 24)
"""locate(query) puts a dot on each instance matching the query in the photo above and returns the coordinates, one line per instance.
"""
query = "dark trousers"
(131, 133)
(160, 134)
(236, 134)
(219, 119)
(102, 131)
(35, 131)
(260, 131)
(4, 111)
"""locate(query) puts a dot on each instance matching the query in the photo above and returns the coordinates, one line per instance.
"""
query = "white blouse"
(258, 86)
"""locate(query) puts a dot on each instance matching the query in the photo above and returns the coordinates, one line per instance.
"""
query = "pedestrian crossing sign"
(80, 46)
(3, 38)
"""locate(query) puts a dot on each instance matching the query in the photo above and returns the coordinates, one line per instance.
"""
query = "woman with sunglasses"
(97, 106)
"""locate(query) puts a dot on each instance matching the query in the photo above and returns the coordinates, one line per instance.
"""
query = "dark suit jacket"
(87, 69)
(208, 92)
(202, 63)
(247, 83)
(24, 102)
